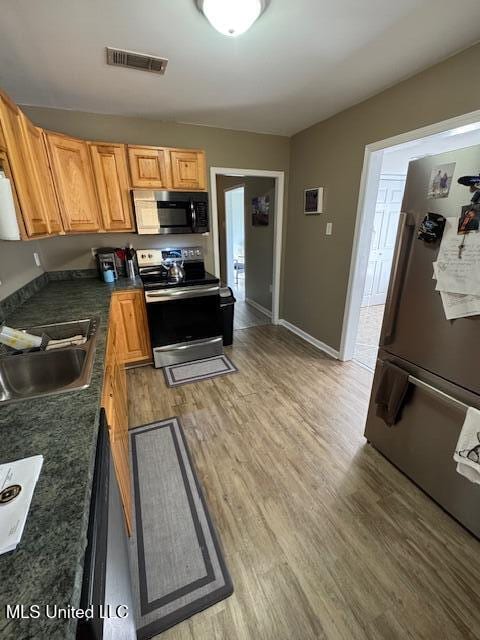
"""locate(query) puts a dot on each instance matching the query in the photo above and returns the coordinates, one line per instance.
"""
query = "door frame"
(279, 177)
(370, 177)
(225, 191)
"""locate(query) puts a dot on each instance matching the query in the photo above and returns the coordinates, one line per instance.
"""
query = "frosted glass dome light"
(231, 17)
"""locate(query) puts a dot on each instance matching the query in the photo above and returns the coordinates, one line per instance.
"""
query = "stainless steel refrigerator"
(442, 357)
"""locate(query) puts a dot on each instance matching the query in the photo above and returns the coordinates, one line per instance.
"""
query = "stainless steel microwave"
(166, 212)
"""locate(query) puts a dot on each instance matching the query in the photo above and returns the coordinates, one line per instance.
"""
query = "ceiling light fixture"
(232, 17)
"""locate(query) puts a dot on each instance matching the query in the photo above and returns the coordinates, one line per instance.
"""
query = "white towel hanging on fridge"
(467, 451)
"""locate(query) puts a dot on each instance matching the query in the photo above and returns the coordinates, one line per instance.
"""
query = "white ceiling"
(303, 61)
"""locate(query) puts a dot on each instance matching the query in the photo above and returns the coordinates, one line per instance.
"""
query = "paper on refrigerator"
(458, 305)
(458, 274)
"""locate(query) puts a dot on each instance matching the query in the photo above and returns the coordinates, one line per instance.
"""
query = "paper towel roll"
(9, 229)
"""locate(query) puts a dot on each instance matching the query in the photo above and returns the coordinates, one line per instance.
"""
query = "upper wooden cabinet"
(165, 168)
(111, 177)
(3, 144)
(149, 167)
(67, 185)
(22, 169)
(35, 145)
(188, 169)
(74, 182)
(7, 171)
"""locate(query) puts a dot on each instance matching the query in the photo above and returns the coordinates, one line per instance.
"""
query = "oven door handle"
(173, 294)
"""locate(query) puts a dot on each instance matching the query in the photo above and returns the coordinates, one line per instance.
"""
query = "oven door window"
(184, 320)
(174, 217)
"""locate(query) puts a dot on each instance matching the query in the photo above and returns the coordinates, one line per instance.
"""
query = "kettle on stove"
(176, 272)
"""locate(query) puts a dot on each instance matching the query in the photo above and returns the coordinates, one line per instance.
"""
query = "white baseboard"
(310, 339)
(259, 307)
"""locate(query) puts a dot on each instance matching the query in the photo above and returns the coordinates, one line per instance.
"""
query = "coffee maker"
(108, 259)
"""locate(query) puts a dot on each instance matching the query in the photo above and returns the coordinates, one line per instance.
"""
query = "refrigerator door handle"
(457, 404)
(395, 285)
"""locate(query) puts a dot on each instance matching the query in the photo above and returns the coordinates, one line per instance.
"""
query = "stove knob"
(198, 252)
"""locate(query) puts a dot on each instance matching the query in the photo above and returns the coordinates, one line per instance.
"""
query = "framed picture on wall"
(260, 211)
(313, 201)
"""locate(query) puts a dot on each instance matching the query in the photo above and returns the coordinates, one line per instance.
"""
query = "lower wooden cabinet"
(114, 401)
(127, 342)
(133, 337)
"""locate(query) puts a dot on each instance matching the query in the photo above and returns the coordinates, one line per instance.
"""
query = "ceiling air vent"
(134, 60)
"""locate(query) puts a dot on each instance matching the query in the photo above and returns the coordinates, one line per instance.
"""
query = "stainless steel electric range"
(184, 315)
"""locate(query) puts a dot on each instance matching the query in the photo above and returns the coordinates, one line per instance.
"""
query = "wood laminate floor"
(322, 536)
(368, 336)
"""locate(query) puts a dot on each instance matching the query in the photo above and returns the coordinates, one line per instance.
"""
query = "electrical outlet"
(36, 257)
(329, 229)
(93, 251)
(270, 288)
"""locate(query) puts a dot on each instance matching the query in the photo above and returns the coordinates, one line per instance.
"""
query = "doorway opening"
(383, 184)
(235, 240)
(247, 215)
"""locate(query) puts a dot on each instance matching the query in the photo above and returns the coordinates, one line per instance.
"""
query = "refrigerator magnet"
(431, 228)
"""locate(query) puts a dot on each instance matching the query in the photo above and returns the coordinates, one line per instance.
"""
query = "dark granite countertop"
(47, 566)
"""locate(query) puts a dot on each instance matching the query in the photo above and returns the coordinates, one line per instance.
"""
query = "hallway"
(245, 315)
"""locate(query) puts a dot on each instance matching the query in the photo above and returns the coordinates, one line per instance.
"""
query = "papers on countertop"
(458, 279)
(17, 483)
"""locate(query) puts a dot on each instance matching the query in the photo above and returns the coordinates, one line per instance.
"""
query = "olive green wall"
(223, 147)
(259, 244)
(330, 154)
(17, 265)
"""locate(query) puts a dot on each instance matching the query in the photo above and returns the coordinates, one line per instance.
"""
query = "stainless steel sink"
(41, 373)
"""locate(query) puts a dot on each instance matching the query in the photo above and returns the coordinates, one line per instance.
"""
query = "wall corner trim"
(258, 307)
(318, 344)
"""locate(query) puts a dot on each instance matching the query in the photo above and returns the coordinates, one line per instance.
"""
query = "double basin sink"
(42, 373)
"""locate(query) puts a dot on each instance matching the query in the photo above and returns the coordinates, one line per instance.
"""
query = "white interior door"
(387, 211)
(235, 230)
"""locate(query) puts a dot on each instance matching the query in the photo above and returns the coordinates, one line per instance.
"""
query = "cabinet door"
(149, 167)
(133, 337)
(29, 199)
(121, 461)
(34, 143)
(113, 184)
(114, 401)
(7, 171)
(74, 182)
(188, 169)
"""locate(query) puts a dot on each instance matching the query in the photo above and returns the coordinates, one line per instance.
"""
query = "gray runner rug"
(197, 370)
(175, 556)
